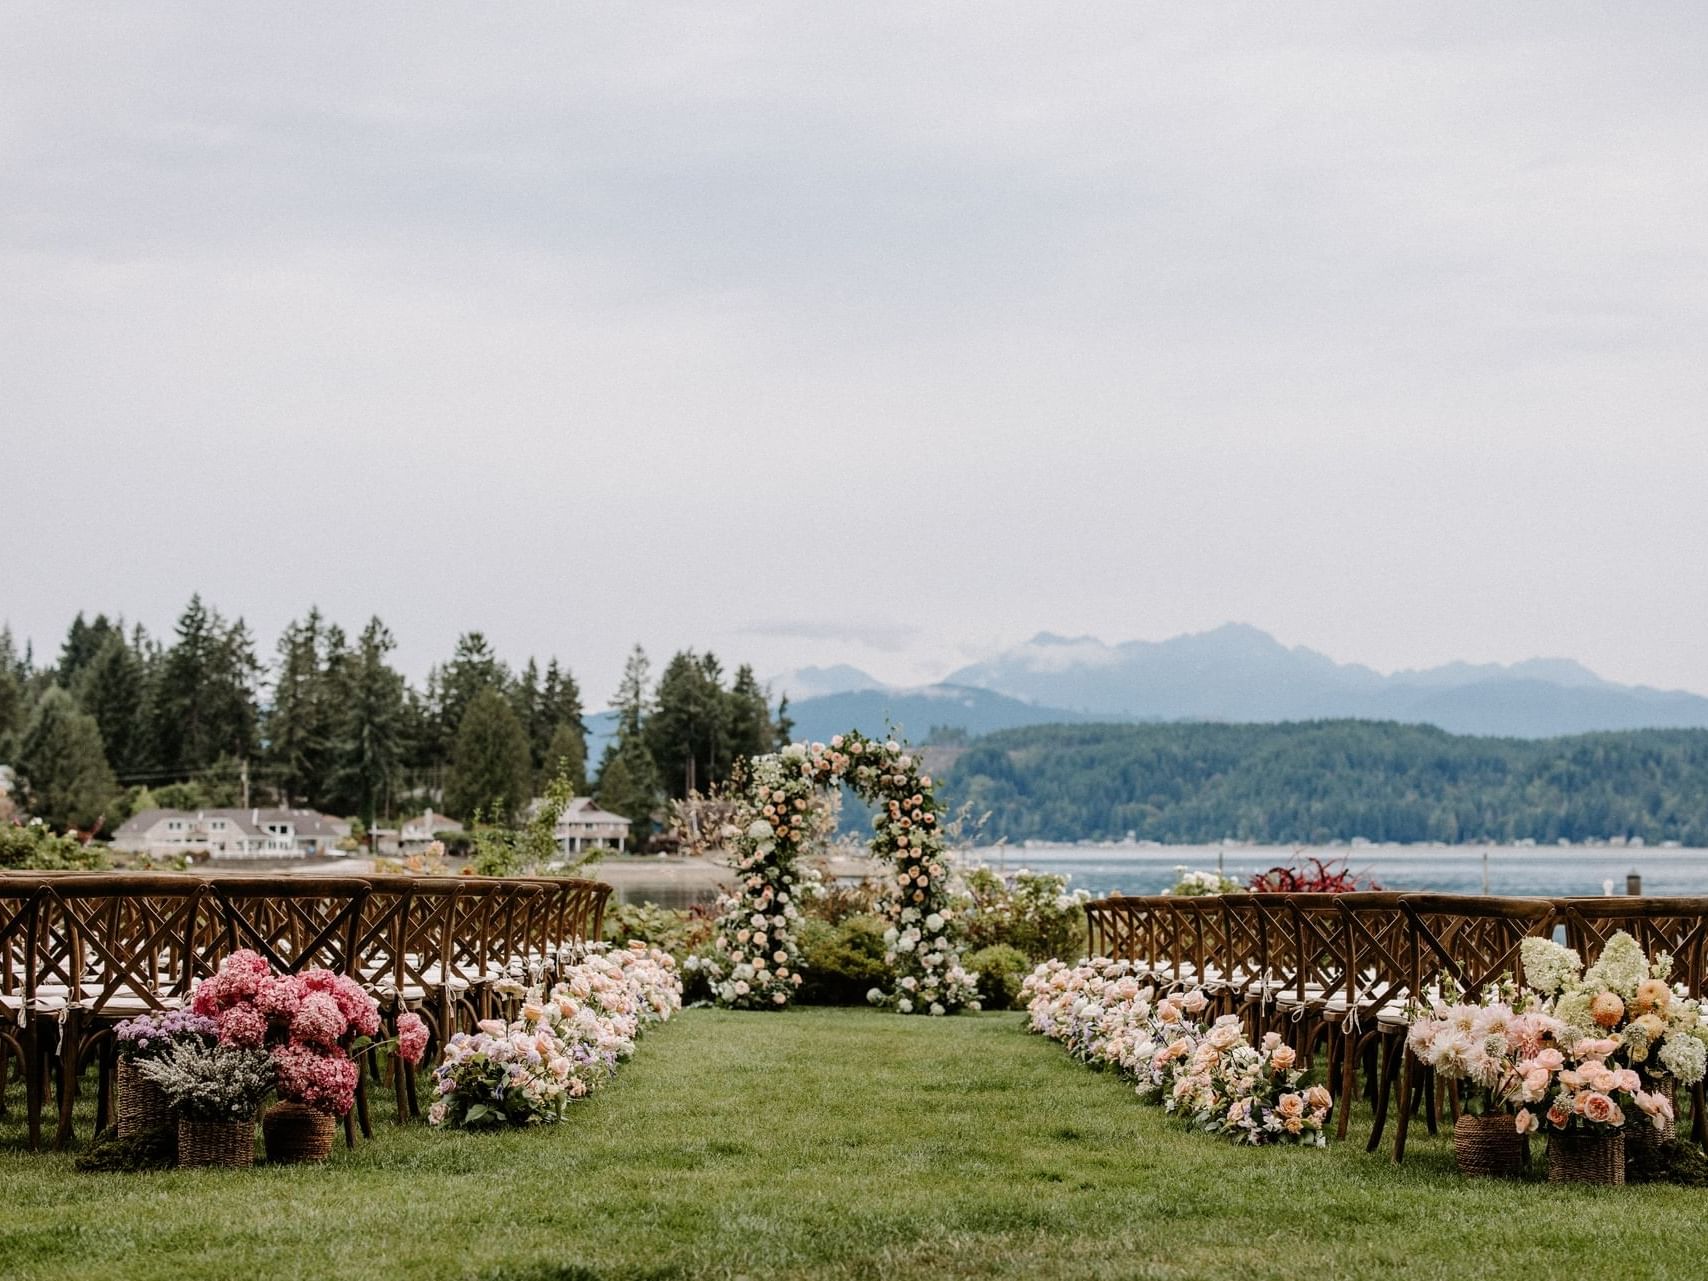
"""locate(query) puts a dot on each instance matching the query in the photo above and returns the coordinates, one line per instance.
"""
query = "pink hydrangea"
(240, 976)
(411, 1037)
(319, 1079)
(242, 1025)
(318, 1019)
(281, 997)
(360, 1009)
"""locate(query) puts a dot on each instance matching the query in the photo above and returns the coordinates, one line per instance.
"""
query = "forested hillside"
(1329, 780)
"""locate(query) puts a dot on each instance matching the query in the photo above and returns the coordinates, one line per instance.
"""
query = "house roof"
(249, 822)
(433, 822)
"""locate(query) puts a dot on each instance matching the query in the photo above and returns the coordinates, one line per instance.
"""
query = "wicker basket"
(1586, 1158)
(221, 1143)
(1490, 1147)
(142, 1104)
(295, 1133)
(1641, 1132)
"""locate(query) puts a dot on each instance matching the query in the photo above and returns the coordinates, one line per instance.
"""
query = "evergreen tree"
(204, 697)
(687, 729)
(527, 702)
(13, 675)
(628, 776)
(566, 757)
(751, 729)
(491, 768)
(561, 702)
(63, 766)
(367, 741)
(112, 687)
(628, 783)
(301, 721)
(473, 668)
(82, 642)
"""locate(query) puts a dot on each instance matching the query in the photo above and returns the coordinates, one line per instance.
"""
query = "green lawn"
(837, 1143)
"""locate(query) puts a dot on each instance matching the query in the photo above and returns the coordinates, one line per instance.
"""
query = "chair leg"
(1384, 1091)
(1431, 1114)
(104, 1071)
(71, 1033)
(1402, 1118)
(1348, 1081)
(35, 1079)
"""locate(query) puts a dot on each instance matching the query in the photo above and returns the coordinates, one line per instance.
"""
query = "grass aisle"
(836, 1143)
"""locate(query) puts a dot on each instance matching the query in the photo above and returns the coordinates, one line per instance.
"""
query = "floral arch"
(756, 958)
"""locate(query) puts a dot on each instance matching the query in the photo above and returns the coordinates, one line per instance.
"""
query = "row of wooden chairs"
(1347, 972)
(82, 952)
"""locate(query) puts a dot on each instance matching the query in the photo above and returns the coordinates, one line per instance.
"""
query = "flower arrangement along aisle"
(142, 1104)
(309, 1025)
(562, 1046)
(1210, 1075)
(754, 962)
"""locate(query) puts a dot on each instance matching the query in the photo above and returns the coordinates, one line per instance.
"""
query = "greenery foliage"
(797, 1147)
(36, 847)
(1333, 780)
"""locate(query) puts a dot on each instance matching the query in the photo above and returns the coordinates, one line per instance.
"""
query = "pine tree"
(367, 741)
(628, 776)
(751, 729)
(628, 783)
(491, 768)
(112, 688)
(473, 668)
(566, 757)
(82, 642)
(63, 766)
(300, 721)
(13, 674)
(204, 698)
(686, 729)
(561, 704)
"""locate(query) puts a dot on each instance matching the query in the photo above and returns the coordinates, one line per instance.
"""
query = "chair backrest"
(1471, 940)
(1676, 926)
(1244, 951)
(20, 903)
(1321, 956)
(135, 937)
(294, 922)
(1378, 936)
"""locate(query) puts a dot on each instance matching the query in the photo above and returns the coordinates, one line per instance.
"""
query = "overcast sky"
(886, 334)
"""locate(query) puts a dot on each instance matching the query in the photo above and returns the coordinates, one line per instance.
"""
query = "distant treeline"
(123, 721)
(1333, 780)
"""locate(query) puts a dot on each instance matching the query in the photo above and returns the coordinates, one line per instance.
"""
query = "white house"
(583, 825)
(231, 833)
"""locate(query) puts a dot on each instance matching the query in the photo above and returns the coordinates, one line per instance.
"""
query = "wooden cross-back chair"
(123, 945)
(1242, 955)
(1117, 928)
(1676, 926)
(1313, 1003)
(1377, 995)
(295, 923)
(1170, 937)
(1474, 943)
(22, 1000)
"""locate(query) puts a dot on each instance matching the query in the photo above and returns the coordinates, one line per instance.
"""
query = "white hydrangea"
(1548, 967)
(760, 830)
(1622, 966)
(1685, 1057)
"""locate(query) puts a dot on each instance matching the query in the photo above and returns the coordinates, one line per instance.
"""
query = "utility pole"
(243, 775)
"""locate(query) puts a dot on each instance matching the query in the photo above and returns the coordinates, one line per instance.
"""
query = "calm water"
(1542, 870)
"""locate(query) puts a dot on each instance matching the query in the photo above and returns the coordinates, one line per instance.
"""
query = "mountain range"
(1234, 673)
